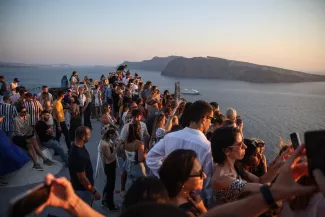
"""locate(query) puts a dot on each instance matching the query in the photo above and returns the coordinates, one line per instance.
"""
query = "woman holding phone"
(230, 179)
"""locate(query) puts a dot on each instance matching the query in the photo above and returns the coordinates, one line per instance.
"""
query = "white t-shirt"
(135, 89)
(82, 99)
(13, 87)
(74, 79)
(125, 81)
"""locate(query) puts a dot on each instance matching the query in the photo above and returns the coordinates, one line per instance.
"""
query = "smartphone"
(239, 120)
(29, 201)
(315, 150)
(295, 140)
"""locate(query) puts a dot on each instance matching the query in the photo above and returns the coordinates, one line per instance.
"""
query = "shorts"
(21, 141)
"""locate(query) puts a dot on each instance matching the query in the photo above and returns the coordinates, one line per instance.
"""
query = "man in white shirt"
(16, 95)
(136, 116)
(14, 85)
(126, 78)
(135, 88)
(193, 137)
(45, 89)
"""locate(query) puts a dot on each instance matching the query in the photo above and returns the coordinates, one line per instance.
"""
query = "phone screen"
(29, 201)
(295, 140)
(315, 150)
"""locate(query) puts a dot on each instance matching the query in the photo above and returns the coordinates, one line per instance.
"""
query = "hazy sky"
(283, 33)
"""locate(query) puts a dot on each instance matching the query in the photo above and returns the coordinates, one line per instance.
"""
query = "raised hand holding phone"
(295, 140)
(315, 150)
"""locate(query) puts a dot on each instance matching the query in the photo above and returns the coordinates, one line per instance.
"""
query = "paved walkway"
(7, 193)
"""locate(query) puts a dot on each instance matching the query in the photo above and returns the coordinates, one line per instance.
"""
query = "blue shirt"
(3, 90)
(108, 93)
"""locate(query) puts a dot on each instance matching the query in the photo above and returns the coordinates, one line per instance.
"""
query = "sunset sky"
(284, 33)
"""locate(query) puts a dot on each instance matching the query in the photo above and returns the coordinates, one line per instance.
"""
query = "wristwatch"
(94, 192)
(267, 196)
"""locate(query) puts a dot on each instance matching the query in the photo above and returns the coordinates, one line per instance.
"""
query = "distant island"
(155, 64)
(218, 68)
(24, 65)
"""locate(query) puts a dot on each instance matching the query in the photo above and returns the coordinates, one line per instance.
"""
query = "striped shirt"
(10, 112)
(34, 109)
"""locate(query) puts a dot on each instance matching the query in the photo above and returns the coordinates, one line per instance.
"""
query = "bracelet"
(267, 196)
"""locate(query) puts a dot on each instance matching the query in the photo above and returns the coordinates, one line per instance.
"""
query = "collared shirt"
(187, 138)
(34, 109)
(143, 132)
(10, 112)
(58, 111)
(14, 98)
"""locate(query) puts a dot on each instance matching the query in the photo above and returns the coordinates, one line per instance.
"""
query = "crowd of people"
(177, 158)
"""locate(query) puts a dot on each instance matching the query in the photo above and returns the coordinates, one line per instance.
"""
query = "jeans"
(86, 196)
(87, 114)
(108, 193)
(65, 131)
(55, 145)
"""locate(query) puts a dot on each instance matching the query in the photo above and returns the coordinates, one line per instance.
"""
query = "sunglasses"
(210, 118)
(200, 175)
(240, 145)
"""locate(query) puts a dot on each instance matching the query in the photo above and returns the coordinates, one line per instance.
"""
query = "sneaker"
(113, 209)
(48, 162)
(38, 167)
(103, 204)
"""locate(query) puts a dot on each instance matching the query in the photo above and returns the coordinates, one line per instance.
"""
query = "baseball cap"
(16, 79)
